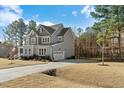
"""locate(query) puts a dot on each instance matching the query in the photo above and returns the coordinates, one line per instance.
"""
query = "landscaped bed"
(78, 75)
(5, 63)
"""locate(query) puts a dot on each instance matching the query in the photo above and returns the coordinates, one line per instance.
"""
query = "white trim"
(45, 39)
(27, 40)
(59, 55)
(57, 43)
(59, 37)
(42, 52)
(34, 40)
(33, 32)
(37, 40)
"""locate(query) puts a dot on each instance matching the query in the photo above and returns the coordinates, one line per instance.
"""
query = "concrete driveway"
(13, 73)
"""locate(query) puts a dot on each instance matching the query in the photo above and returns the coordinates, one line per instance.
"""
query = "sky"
(74, 16)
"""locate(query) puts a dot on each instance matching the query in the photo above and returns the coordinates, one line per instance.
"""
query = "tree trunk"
(103, 53)
(119, 45)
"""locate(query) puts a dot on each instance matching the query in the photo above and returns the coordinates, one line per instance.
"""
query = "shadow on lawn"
(80, 61)
(90, 60)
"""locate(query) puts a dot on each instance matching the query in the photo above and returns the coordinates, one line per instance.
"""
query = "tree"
(21, 30)
(32, 25)
(79, 31)
(101, 29)
(118, 23)
(11, 32)
(113, 19)
(14, 32)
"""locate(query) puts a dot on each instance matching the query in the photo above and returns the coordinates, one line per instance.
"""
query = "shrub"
(36, 57)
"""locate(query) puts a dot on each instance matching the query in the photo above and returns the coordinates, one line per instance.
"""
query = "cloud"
(74, 13)
(9, 14)
(35, 17)
(86, 10)
(15, 8)
(47, 23)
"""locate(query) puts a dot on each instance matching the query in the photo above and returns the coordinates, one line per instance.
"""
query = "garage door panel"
(58, 55)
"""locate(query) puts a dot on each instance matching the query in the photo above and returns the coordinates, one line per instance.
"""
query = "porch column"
(32, 50)
(37, 40)
(19, 51)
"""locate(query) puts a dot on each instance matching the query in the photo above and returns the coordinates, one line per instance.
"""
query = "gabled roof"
(48, 28)
(51, 29)
(56, 26)
(63, 31)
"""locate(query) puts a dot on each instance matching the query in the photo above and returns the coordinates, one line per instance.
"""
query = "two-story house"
(54, 41)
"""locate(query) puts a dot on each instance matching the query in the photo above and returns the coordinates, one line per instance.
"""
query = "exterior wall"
(35, 50)
(54, 37)
(40, 41)
(67, 45)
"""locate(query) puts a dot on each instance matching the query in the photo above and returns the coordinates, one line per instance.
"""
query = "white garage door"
(58, 55)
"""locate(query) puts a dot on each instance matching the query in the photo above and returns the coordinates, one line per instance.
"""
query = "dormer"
(32, 33)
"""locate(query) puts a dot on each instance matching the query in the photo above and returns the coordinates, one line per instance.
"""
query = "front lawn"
(5, 63)
(78, 75)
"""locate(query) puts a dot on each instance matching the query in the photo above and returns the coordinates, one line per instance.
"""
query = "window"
(33, 40)
(27, 42)
(45, 40)
(42, 51)
(60, 38)
(29, 51)
(25, 51)
(21, 50)
(48, 39)
(39, 51)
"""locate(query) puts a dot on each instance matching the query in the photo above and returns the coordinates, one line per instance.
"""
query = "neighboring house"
(5, 50)
(54, 41)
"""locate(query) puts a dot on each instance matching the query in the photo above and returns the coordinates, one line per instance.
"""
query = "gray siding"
(67, 45)
(54, 37)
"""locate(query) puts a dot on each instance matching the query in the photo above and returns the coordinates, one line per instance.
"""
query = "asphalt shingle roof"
(63, 31)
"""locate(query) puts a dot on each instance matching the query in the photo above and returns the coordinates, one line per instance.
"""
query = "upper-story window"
(27, 41)
(33, 40)
(45, 40)
(59, 38)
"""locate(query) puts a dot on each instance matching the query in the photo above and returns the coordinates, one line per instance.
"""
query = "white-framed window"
(59, 38)
(45, 39)
(27, 41)
(29, 51)
(21, 50)
(42, 51)
(33, 40)
(25, 51)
